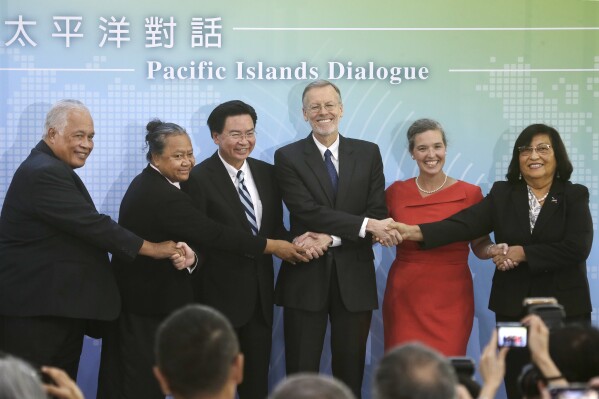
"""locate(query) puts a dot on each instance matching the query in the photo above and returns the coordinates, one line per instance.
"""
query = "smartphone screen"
(571, 392)
(513, 335)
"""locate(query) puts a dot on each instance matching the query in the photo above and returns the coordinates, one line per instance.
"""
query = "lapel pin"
(554, 200)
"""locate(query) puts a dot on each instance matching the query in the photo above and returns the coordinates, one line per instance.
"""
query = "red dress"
(429, 295)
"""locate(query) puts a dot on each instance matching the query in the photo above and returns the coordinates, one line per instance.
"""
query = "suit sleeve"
(186, 221)
(280, 232)
(575, 246)
(58, 201)
(468, 224)
(303, 206)
(377, 204)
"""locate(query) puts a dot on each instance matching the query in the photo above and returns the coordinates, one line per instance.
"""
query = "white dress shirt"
(334, 148)
(250, 184)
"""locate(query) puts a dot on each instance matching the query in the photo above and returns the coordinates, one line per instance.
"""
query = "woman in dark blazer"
(151, 289)
(543, 217)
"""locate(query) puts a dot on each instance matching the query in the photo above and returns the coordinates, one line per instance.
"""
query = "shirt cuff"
(190, 269)
(336, 241)
(362, 232)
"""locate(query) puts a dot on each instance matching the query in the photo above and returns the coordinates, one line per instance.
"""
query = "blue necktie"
(331, 170)
(246, 201)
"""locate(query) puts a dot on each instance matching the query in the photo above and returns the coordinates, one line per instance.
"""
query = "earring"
(520, 176)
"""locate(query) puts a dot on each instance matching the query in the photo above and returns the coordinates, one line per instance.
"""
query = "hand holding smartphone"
(574, 391)
(512, 335)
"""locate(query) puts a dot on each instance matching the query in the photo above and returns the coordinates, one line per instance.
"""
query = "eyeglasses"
(315, 108)
(541, 149)
(238, 135)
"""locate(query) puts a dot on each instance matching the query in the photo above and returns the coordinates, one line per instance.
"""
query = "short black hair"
(564, 167)
(218, 116)
(575, 351)
(195, 348)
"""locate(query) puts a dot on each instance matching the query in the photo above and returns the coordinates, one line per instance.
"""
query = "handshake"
(504, 256)
(388, 233)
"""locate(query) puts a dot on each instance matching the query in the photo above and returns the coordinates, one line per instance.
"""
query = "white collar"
(231, 169)
(176, 183)
(334, 148)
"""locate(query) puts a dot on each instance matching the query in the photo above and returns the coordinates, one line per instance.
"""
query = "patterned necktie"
(331, 170)
(246, 201)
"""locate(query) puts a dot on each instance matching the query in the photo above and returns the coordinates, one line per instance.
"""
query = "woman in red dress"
(429, 296)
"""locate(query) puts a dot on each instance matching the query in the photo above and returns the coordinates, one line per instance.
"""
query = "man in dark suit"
(55, 274)
(240, 287)
(154, 206)
(331, 184)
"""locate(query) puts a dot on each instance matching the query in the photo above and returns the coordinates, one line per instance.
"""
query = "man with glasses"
(335, 185)
(241, 192)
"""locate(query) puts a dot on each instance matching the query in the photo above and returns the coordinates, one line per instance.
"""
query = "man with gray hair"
(335, 185)
(311, 386)
(414, 371)
(55, 275)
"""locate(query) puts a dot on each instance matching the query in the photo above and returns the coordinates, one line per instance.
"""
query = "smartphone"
(574, 391)
(512, 334)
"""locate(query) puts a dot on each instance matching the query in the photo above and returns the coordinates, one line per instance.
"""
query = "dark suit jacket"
(556, 251)
(159, 211)
(53, 245)
(308, 193)
(229, 282)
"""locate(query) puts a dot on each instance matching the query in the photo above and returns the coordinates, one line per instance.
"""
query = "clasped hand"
(384, 232)
(184, 257)
(506, 257)
(315, 244)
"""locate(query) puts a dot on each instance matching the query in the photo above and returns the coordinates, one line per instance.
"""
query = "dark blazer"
(54, 243)
(556, 251)
(229, 282)
(159, 211)
(308, 193)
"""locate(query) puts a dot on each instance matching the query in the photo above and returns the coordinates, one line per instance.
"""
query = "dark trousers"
(136, 351)
(110, 374)
(44, 340)
(255, 340)
(304, 338)
(517, 358)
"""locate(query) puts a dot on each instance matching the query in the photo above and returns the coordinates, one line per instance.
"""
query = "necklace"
(435, 190)
(541, 199)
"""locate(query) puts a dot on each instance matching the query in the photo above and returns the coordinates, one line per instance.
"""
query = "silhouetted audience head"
(414, 371)
(197, 354)
(311, 386)
(18, 379)
(575, 351)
